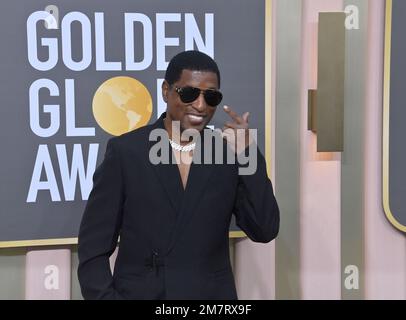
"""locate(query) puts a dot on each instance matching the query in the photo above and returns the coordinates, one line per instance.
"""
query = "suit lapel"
(168, 175)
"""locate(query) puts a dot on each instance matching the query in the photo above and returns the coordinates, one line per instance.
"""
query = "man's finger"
(227, 134)
(245, 116)
(232, 125)
(228, 131)
(232, 114)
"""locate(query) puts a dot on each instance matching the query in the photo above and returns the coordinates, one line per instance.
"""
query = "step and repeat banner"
(75, 73)
(394, 115)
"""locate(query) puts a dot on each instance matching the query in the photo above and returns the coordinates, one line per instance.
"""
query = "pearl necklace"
(178, 147)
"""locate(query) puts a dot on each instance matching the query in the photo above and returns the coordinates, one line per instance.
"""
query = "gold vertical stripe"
(268, 85)
(288, 98)
(386, 88)
(386, 112)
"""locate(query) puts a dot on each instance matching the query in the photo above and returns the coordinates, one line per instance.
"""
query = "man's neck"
(176, 133)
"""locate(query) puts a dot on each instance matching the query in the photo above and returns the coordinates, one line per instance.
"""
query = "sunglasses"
(190, 94)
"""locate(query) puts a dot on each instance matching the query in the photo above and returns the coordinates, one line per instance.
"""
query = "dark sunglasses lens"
(189, 94)
(213, 97)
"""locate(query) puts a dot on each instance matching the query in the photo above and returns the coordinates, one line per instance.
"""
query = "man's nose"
(200, 103)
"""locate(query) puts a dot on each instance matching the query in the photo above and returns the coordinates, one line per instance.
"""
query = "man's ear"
(165, 90)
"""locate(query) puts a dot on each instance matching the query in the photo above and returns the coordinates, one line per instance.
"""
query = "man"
(173, 219)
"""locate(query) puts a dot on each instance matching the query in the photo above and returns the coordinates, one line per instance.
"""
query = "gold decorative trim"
(70, 241)
(268, 85)
(39, 242)
(386, 110)
(237, 234)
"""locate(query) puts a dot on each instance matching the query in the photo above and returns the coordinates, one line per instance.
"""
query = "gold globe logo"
(122, 104)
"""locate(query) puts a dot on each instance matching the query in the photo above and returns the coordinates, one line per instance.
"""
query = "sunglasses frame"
(179, 91)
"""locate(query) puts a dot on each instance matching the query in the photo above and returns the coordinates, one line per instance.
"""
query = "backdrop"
(78, 72)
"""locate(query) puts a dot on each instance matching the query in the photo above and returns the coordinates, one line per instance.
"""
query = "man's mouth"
(195, 119)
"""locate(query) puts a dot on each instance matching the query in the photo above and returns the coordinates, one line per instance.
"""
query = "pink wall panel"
(320, 180)
(48, 274)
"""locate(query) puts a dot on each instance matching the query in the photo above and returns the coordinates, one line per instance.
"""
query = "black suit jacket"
(173, 242)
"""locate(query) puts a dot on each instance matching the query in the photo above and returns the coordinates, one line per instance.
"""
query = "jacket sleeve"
(100, 227)
(255, 208)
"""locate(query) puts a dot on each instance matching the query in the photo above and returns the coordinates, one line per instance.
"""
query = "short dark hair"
(190, 60)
